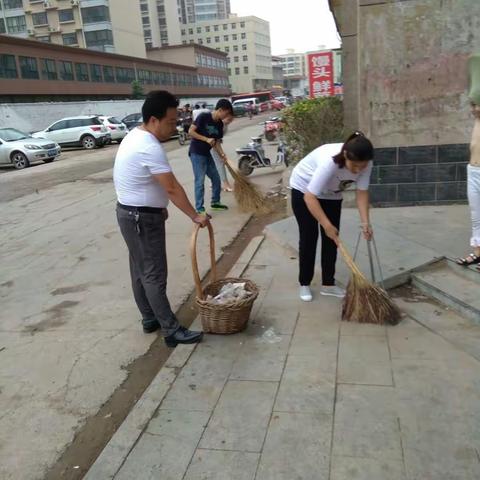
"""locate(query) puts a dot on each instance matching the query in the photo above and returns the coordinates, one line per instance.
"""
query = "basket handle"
(193, 254)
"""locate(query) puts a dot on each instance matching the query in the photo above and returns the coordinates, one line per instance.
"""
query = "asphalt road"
(75, 164)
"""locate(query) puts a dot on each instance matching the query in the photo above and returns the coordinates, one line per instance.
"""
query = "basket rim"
(244, 302)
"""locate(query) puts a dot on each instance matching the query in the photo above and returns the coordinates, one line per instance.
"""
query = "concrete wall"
(31, 117)
(405, 68)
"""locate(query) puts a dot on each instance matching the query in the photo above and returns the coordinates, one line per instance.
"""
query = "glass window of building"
(207, 29)
(40, 18)
(217, 39)
(49, 69)
(215, 28)
(226, 38)
(124, 75)
(2, 25)
(242, 24)
(234, 26)
(234, 37)
(44, 38)
(237, 71)
(235, 48)
(65, 15)
(99, 38)
(244, 47)
(8, 66)
(235, 59)
(245, 70)
(95, 14)
(65, 70)
(29, 67)
(245, 58)
(190, 31)
(81, 71)
(69, 39)
(108, 74)
(209, 40)
(16, 24)
(244, 36)
(11, 4)
(225, 26)
(96, 73)
(199, 29)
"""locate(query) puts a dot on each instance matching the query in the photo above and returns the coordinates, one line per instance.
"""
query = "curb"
(113, 456)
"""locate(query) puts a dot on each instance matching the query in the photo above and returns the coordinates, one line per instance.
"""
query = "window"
(245, 70)
(225, 26)
(207, 29)
(144, 8)
(242, 24)
(29, 67)
(108, 74)
(49, 69)
(2, 26)
(226, 38)
(40, 18)
(234, 26)
(65, 70)
(65, 15)
(200, 41)
(96, 73)
(234, 36)
(235, 48)
(190, 31)
(58, 126)
(16, 24)
(215, 27)
(244, 36)
(229, 71)
(81, 71)
(235, 59)
(217, 39)
(199, 29)
(8, 67)
(44, 38)
(209, 40)
(244, 47)
(10, 4)
(237, 71)
(124, 75)
(95, 14)
(183, 32)
(227, 49)
(245, 58)
(99, 38)
(70, 39)
(145, 21)
(145, 77)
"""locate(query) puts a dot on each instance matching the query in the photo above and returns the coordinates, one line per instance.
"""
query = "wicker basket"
(222, 319)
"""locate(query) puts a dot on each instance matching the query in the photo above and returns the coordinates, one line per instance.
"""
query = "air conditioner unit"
(46, 4)
(74, 2)
(53, 29)
(31, 32)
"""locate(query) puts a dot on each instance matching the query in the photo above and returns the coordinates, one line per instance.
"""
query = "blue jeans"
(205, 165)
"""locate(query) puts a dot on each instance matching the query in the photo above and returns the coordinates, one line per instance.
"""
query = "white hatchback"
(117, 129)
(86, 131)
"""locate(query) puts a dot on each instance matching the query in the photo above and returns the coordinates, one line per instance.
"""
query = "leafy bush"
(311, 123)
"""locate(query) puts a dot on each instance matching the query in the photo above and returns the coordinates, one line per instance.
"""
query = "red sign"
(320, 68)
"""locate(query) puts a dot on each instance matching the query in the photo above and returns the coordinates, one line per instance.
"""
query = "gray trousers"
(144, 234)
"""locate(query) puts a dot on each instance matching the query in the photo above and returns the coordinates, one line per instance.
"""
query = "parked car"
(117, 129)
(85, 131)
(20, 149)
(277, 104)
(133, 120)
(239, 110)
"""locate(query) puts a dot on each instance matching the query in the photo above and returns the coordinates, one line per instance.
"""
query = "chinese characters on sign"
(320, 67)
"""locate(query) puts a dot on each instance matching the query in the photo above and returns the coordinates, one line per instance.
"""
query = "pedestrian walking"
(205, 132)
(220, 163)
(317, 183)
(144, 183)
(198, 110)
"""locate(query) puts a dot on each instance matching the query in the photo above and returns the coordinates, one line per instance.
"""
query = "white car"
(86, 131)
(117, 129)
(20, 149)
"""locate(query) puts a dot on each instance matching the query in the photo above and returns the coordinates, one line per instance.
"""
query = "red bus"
(264, 98)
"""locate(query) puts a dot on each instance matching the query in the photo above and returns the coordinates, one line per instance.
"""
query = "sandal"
(465, 262)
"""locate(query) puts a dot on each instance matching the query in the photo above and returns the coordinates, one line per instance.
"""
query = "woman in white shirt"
(317, 184)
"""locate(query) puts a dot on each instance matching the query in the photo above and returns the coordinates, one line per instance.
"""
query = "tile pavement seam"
(225, 450)
(401, 446)
(335, 392)
(275, 398)
(365, 384)
(390, 357)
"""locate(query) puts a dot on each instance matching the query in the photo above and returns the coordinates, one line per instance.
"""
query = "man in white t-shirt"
(198, 110)
(144, 183)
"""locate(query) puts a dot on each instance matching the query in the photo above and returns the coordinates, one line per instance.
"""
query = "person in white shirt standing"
(144, 183)
(317, 184)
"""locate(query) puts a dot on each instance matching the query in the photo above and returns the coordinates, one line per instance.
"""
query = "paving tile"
(366, 423)
(364, 360)
(222, 465)
(357, 468)
(241, 417)
(259, 360)
(365, 329)
(167, 447)
(297, 447)
(307, 386)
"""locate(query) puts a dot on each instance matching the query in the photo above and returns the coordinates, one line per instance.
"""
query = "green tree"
(311, 123)
(137, 90)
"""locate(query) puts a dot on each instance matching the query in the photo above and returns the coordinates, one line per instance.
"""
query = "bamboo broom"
(364, 301)
(248, 196)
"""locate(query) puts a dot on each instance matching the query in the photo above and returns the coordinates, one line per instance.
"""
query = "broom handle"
(382, 282)
(349, 260)
(193, 255)
(370, 260)
(357, 245)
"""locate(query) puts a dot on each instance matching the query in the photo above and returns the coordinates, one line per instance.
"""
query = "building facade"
(161, 22)
(192, 11)
(32, 71)
(295, 72)
(246, 41)
(112, 26)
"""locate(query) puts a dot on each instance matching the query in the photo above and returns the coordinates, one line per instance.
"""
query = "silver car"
(20, 149)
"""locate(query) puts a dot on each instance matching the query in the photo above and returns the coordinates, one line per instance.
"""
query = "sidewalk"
(328, 400)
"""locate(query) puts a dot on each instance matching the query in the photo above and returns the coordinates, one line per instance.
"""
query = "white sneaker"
(333, 291)
(305, 294)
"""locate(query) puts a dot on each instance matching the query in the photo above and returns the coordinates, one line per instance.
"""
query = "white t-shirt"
(318, 174)
(198, 112)
(139, 157)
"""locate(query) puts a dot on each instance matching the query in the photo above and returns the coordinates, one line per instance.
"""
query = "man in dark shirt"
(205, 131)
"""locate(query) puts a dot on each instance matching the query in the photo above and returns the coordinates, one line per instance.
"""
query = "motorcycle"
(253, 156)
(272, 128)
(182, 135)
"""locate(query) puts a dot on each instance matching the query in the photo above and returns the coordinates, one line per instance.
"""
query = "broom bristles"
(364, 301)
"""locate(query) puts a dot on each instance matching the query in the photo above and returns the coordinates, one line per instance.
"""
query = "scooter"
(253, 156)
(272, 128)
(182, 135)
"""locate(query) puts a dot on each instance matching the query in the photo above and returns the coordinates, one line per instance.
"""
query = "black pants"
(144, 234)
(308, 229)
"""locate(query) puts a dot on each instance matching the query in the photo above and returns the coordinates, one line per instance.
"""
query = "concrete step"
(455, 286)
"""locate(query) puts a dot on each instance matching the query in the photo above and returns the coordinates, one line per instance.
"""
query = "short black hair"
(197, 106)
(357, 147)
(224, 104)
(157, 103)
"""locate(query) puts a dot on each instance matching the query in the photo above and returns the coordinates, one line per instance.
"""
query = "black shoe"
(183, 335)
(150, 325)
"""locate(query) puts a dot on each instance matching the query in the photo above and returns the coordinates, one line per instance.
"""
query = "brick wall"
(420, 175)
